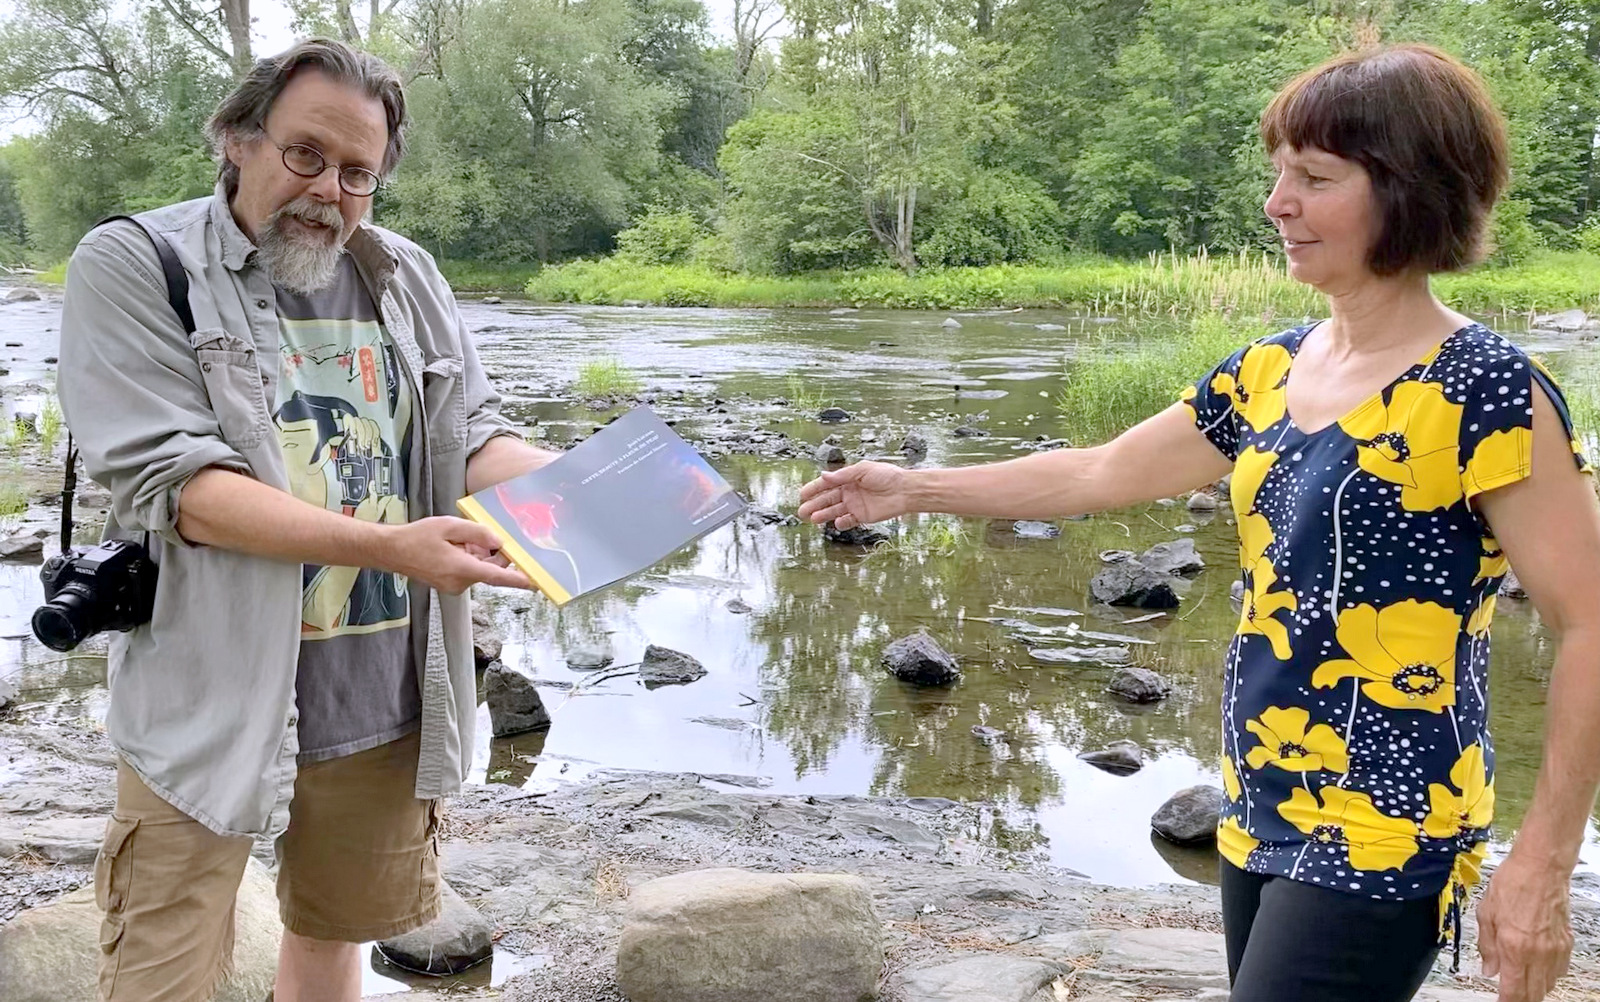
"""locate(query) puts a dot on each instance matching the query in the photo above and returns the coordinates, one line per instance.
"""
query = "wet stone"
(1138, 685)
(1029, 529)
(833, 415)
(829, 455)
(1178, 557)
(920, 659)
(967, 431)
(1120, 758)
(587, 659)
(514, 703)
(1129, 582)
(664, 666)
(856, 535)
(914, 445)
(1189, 817)
(989, 735)
(458, 939)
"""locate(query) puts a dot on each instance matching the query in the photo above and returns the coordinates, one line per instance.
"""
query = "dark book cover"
(631, 495)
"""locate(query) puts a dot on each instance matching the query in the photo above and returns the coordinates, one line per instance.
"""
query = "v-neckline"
(1366, 402)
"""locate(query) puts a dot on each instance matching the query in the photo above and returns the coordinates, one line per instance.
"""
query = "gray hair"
(241, 114)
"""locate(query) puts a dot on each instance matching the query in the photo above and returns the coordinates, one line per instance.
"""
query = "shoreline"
(552, 872)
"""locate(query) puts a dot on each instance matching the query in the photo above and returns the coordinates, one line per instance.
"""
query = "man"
(308, 672)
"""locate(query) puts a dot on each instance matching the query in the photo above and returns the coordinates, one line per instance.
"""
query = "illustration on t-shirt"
(344, 427)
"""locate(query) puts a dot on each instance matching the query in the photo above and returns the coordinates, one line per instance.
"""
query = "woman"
(1387, 464)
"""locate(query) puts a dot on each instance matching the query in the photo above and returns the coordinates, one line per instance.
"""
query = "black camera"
(363, 475)
(109, 587)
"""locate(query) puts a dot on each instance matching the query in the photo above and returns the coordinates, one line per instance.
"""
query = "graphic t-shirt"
(343, 415)
(1356, 748)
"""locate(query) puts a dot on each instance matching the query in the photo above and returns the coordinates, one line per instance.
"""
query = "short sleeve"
(1211, 401)
(1496, 446)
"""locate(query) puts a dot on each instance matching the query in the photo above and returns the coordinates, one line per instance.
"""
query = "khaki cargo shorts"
(358, 862)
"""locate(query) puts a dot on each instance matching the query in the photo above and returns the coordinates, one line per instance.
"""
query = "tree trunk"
(236, 17)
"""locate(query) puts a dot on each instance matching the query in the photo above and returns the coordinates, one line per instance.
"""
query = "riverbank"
(552, 871)
(1249, 285)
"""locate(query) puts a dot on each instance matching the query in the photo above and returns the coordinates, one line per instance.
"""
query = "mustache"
(309, 210)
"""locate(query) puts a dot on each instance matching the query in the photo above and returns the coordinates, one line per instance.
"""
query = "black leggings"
(1290, 941)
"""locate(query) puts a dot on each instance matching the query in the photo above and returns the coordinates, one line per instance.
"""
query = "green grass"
(606, 378)
(56, 274)
(487, 276)
(1112, 387)
(802, 397)
(13, 501)
(49, 426)
(1244, 284)
(13, 436)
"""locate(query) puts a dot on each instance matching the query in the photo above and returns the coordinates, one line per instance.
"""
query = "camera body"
(361, 475)
(111, 586)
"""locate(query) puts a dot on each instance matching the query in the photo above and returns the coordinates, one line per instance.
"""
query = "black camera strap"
(178, 296)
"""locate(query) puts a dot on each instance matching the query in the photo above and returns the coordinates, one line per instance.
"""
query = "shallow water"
(795, 700)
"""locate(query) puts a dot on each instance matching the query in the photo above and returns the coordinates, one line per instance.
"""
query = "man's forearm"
(501, 458)
(231, 511)
(1564, 797)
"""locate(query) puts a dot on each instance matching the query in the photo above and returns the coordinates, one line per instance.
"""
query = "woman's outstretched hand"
(857, 495)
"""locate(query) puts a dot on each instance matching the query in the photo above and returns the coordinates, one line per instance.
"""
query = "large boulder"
(664, 666)
(486, 639)
(728, 935)
(458, 939)
(52, 953)
(1129, 582)
(1189, 817)
(919, 659)
(514, 703)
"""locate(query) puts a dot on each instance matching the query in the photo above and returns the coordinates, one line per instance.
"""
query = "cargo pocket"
(234, 384)
(444, 402)
(113, 874)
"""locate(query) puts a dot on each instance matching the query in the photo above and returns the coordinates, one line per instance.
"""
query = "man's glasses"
(306, 161)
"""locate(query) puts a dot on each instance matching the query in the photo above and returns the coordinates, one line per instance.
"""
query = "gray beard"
(296, 263)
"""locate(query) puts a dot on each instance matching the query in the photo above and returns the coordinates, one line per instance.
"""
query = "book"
(630, 496)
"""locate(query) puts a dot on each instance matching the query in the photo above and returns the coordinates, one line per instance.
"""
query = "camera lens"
(59, 624)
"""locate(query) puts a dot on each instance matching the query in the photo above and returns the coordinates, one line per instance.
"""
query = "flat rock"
(21, 294)
(52, 953)
(1201, 501)
(1082, 655)
(967, 431)
(23, 545)
(1121, 758)
(856, 535)
(664, 666)
(1189, 817)
(920, 659)
(514, 703)
(1138, 685)
(729, 935)
(1129, 582)
(1028, 529)
(1178, 557)
(587, 659)
(62, 838)
(1567, 321)
(458, 939)
(982, 978)
(833, 415)
(1174, 958)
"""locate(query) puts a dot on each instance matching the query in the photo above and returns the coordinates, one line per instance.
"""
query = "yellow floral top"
(1357, 753)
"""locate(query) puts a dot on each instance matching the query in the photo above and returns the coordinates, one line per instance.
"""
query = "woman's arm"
(1156, 458)
(1548, 525)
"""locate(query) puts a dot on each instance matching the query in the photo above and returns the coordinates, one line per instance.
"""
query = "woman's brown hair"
(1423, 126)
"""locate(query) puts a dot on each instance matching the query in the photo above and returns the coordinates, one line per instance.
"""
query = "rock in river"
(919, 659)
(1189, 817)
(1138, 685)
(664, 666)
(833, 415)
(856, 535)
(1178, 557)
(1129, 582)
(514, 704)
(1119, 757)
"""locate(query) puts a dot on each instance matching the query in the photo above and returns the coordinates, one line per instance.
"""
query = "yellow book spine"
(520, 557)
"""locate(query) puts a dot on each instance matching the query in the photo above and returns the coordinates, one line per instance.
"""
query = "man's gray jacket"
(202, 698)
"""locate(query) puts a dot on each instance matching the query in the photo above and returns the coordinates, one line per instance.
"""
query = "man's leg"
(317, 970)
(359, 862)
(167, 885)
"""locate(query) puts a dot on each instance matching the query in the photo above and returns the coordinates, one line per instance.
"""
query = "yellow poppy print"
(1413, 441)
(1467, 808)
(1404, 655)
(1261, 607)
(1502, 457)
(1373, 840)
(1482, 616)
(1289, 742)
(1249, 473)
(1259, 394)
(1493, 562)
(1230, 779)
(1234, 843)
(1464, 873)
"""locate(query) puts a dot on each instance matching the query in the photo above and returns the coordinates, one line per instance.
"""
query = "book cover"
(631, 495)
